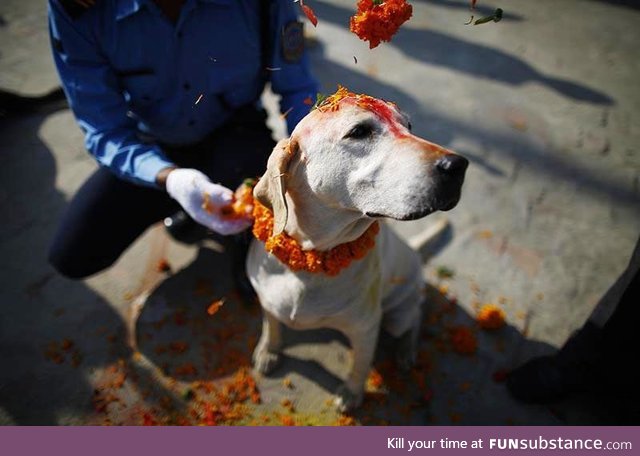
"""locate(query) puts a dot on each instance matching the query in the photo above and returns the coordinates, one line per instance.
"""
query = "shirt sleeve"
(98, 104)
(293, 80)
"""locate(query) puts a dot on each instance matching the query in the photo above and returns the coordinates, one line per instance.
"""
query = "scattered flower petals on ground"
(463, 340)
(491, 317)
(215, 306)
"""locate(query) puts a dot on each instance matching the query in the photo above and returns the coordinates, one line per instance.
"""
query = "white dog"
(349, 162)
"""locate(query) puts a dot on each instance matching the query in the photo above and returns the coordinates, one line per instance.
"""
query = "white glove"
(203, 200)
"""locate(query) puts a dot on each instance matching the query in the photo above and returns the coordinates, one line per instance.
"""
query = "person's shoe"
(184, 229)
(573, 369)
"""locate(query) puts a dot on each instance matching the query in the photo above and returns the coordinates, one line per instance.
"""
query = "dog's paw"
(264, 361)
(346, 400)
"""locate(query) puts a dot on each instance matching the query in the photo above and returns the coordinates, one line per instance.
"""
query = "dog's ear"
(272, 186)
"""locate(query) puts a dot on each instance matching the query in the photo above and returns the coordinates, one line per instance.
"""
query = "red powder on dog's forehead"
(384, 110)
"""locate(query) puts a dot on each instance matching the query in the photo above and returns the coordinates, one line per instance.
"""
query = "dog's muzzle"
(448, 175)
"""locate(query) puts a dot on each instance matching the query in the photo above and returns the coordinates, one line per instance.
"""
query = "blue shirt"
(127, 70)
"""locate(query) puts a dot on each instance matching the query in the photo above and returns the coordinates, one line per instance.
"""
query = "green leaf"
(495, 17)
(444, 272)
(319, 100)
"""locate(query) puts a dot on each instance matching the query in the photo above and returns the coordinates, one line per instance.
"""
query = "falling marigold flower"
(490, 317)
(377, 21)
(311, 15)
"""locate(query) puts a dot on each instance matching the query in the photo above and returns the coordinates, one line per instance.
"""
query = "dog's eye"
(360, 131)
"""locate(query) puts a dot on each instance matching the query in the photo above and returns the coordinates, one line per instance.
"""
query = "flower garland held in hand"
(379, 20)
(289, 252)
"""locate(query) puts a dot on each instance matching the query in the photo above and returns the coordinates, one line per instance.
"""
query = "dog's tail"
(429, 236)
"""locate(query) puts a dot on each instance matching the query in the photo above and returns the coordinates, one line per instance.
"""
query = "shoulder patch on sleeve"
(76, 8)
(292, 42)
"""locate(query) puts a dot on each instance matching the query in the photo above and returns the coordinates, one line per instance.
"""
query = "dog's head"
(357, 153)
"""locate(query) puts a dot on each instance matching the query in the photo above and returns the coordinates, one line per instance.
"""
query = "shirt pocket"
(236, 85)
(140, 86)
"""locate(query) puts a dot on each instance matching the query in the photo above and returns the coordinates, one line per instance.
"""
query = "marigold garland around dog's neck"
(289, 252)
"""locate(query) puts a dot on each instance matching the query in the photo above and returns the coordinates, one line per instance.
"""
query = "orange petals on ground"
(375, 380)
(215, 306)
(491, 317)
(463, 340)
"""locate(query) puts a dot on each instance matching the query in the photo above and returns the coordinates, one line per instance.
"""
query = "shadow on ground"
(498, 149)
(63, 347)
(203, 358)
(474, 59)
(52, 333)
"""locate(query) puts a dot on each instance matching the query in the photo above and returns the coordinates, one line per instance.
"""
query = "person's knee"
(68, 266)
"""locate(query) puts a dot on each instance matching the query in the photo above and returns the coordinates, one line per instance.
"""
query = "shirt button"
(186, 86)
(180, 34)
(191, 123)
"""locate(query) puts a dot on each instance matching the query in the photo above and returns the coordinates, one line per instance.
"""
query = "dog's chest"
(303, 300)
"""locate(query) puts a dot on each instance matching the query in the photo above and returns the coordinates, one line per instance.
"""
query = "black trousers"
(108, 214)
(620, 333)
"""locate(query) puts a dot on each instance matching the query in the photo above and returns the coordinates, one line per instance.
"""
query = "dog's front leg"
(363, 343)
(267, 353)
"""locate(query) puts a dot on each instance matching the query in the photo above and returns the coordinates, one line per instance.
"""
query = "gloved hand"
(203, 200)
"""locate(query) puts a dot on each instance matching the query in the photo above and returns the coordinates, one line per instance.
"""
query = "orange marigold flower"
(215, 306)
(377, 21)
(346, 420)
(375, 381)
(491, 316)
(463, 340)
(242, 205)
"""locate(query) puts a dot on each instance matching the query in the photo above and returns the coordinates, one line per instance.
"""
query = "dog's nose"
(452, 164)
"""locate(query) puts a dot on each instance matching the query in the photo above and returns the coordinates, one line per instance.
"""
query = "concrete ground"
(545, 104)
